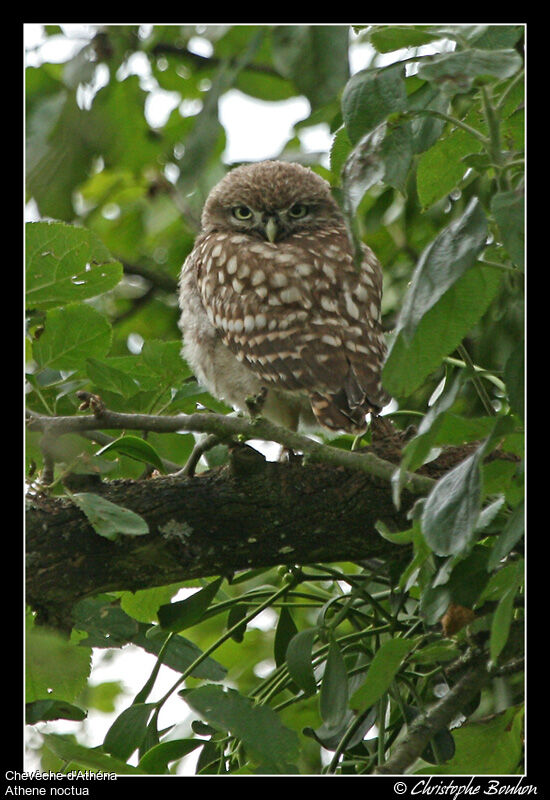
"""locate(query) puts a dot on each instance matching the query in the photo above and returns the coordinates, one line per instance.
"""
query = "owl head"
(270, 200)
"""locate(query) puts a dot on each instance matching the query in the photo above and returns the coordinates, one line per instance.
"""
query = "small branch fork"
(438, 717)
(478, 672)
(225, 428)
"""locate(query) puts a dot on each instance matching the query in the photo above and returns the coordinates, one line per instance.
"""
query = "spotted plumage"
(270, 298)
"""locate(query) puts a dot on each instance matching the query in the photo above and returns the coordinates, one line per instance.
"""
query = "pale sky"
(255, 129)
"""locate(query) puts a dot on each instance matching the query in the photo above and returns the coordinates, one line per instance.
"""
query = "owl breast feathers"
(271, 299)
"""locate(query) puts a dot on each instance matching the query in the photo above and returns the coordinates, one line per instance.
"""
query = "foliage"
(427, 163)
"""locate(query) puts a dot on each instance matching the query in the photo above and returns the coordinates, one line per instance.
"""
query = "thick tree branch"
(251, 513)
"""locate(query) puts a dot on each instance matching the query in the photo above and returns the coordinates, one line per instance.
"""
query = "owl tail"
(346, 409)
(336, 415)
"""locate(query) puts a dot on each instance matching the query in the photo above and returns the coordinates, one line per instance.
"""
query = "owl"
(272, 302)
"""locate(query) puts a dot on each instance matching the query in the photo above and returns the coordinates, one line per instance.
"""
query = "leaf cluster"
(427, 164)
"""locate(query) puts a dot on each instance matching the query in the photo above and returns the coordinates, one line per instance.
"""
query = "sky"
(272, 122)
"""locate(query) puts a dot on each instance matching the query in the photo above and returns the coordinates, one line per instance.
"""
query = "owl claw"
(255, 403)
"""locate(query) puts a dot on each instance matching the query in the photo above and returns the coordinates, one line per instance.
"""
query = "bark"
(249, 514)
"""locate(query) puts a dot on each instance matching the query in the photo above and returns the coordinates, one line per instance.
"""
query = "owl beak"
(271, 228)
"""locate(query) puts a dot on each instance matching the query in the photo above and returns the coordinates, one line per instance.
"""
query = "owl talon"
(255, 403)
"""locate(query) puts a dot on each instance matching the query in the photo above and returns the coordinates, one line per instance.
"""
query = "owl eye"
(298, 210)
(241, 212)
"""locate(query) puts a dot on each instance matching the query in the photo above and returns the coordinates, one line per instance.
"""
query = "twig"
(227, 427)
(206, 62)
(159, 279)
(478, 383)
(198, 451)
(430, 112)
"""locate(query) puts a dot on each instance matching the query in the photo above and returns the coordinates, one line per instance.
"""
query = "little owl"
(272, 302)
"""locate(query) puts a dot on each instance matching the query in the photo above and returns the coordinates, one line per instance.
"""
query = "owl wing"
(301, 317)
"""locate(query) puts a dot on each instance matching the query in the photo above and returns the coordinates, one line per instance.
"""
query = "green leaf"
(393, 37)
(333, 698)
(399, 537)
(103, 696)
(451, 510)
(116, 118)
(258, 726)
(502, 618)
(339, 151)
(58, 152)
(44, 710)
(455, 72)
(497, 37)
(370, 96)
(469, 577)
(383, 155)
(105, 622)
(128, 730)
(68, 750)
(155, 761)
(236, 614)
(396, 153)
(72, 334)
(457, 430)
(441, 168)
(55, 668)
(106, 376)
(164, 360)
(491, 746)
(136, 448)
(109, 519)
(383, 669)
(417, 449)
(284, 632)
(330, 738)
(426, 129)
(439, 332)
(143, 604)
(264, 86)
(185, 613)
(299, 660)
(500, 582)
(508, 209)
(363, 169)
(452, 252)
(65, 264)
(179, 653)
(512, 533)
(434, 603)
(313, 57)
(438, 651)
(514, 378)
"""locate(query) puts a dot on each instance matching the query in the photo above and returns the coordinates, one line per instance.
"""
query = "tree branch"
(227, 428)
(158, 279)
(251, 513)
(206, 62)
(424, 728)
